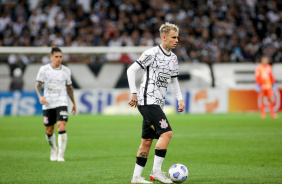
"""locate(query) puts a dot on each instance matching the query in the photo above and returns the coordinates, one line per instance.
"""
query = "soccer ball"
(178, 173)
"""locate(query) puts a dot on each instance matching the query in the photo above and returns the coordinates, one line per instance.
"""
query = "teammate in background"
(160, 67)
(265, 83)
(56, 80)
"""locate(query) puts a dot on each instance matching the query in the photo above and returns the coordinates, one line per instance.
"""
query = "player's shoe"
(262, 116)
(159, 176)
(274, 116)
(139, 179)
(54, 154)
(60, 158)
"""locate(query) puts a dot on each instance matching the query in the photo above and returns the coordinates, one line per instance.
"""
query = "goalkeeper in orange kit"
(265, 83)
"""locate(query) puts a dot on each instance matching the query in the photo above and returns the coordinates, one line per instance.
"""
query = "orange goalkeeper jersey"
(264, 76)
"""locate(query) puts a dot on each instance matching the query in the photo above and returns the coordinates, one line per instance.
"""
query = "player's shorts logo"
(63, 113)
(163, 123)
(45, 120)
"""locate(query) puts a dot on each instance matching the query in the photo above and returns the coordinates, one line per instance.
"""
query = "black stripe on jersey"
(146, 86)
(140, 64)
(164, 51)
(174, 76)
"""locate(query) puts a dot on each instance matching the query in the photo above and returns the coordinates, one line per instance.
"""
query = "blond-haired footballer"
(160, 66)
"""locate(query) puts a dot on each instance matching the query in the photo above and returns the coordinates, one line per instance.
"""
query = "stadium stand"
(212, 31)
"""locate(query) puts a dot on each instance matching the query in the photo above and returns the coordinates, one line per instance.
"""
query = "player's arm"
(177, 92)
(257, 79)
(70, 93)
(131, 73)
(38, 87)
(272, 78)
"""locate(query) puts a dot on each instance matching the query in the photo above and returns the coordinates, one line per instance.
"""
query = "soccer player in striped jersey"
(160, 67)
(56, 80)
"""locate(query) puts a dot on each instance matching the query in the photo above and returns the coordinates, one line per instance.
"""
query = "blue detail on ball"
(183, 168)
(176, 175)
(174, 166)
(184, 178)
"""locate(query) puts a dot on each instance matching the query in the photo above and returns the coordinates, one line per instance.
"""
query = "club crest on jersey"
(163, 123)
(45, 120)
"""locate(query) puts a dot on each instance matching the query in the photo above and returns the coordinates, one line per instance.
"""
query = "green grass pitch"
(216, 148)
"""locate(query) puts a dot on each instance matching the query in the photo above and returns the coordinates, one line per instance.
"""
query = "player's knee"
(147, 143)
(168, 134)
(49, 131)
(61, 126)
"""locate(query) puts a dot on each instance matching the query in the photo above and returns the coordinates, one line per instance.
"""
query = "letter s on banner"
(84, 101)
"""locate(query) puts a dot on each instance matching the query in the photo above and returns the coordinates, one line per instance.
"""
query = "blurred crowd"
(211, 31)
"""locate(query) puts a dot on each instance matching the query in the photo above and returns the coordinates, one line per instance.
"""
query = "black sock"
(49, 135)
(160, 152)
(62, 132)
(141, 161)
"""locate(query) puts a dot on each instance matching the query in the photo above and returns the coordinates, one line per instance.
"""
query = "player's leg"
(271, 107)
(262, 105)
(62, 118)
(143, 151)
(160, 151)
(50, 136)
(62, 140)
(49, 121)
(141, 160)
(163, 129)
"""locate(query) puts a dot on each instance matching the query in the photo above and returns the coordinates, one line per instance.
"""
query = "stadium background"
(220, 43)
(219, 46)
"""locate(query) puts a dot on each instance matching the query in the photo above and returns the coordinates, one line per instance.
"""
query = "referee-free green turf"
(216, 148)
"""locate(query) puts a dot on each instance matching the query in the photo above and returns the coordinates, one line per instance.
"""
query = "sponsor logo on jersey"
(45, 120)
(63, 113)
(162, 80)
(163, 123)
(160, 101)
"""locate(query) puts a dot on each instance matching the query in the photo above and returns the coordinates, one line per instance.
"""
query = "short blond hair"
(166, 27)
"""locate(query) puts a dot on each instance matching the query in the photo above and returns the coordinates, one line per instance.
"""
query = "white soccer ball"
(178, 173)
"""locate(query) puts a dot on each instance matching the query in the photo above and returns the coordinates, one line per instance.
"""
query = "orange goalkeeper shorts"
(266, 93)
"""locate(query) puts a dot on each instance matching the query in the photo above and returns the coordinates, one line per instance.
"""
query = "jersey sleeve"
(175, 72)
(40, 75)
(68, 82)
(257, 75)
(146, 59)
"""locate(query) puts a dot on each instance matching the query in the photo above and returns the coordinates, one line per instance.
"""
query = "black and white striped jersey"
(159, 67)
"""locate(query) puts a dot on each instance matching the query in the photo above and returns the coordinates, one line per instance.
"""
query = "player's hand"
(73, 109)
(133, 100)
(258, 88)
(181, 106)
(42, 100)
(273, 86)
